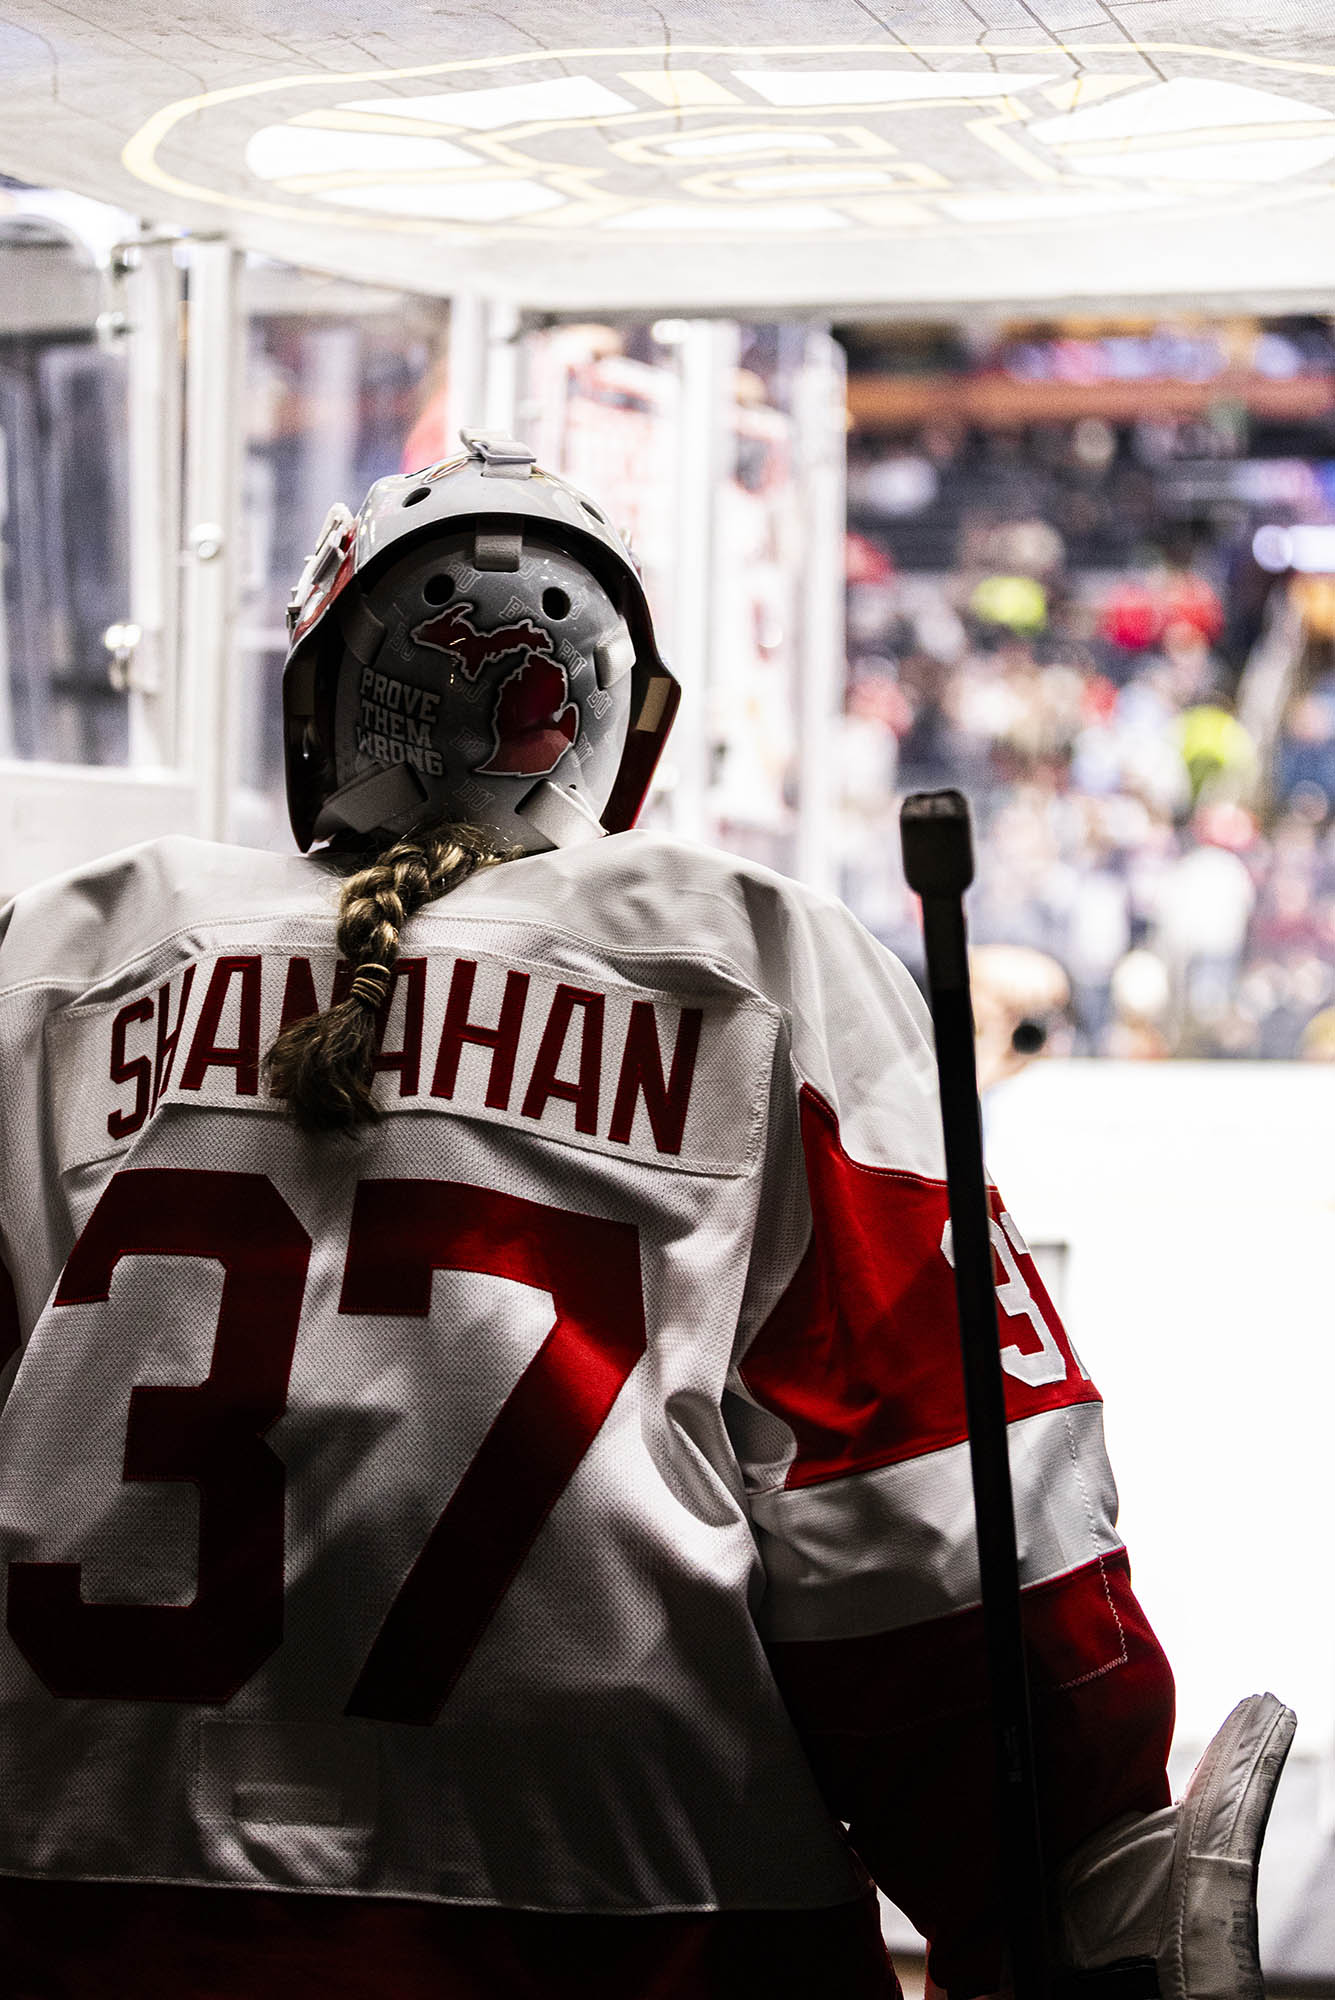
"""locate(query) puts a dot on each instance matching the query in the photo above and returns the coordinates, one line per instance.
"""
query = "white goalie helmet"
(474, 644)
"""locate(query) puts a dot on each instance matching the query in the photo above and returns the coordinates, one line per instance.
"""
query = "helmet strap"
(375, 800)
(559, 816)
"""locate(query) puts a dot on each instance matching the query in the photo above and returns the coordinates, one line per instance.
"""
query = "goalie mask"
(476, 645)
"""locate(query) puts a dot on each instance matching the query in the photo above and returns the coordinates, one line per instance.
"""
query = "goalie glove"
(1166, 1902)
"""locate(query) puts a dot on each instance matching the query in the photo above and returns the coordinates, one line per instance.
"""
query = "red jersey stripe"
(860, 1357)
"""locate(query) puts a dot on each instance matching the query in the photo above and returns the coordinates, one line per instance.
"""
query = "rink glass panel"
(343, 383)
(64, 496)
(686, 434)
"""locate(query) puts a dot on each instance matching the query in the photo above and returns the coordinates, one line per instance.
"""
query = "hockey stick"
(938, 864)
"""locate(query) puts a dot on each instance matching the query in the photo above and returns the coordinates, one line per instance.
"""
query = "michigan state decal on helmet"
(474, 645)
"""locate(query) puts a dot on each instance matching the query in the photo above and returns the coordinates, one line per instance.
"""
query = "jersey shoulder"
(642, 892)
(76, 928)
(857, 1030)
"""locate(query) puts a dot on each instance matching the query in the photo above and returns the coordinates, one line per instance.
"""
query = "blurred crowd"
(1150, 756)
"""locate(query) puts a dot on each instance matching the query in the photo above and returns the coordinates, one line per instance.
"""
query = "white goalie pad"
(1179, 1886)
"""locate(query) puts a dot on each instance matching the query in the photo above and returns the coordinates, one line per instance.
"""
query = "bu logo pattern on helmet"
(475, 645)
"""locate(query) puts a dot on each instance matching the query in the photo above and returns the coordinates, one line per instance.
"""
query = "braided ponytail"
(324, 1065)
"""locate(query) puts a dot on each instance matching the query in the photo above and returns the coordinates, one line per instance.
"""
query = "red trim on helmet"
(319, 603)
(639, 759)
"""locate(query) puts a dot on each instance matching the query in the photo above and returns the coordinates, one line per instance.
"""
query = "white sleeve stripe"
(880, 1550)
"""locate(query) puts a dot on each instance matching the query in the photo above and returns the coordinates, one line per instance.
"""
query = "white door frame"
(53, 816)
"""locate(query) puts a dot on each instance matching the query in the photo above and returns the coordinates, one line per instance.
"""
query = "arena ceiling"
(711, 154)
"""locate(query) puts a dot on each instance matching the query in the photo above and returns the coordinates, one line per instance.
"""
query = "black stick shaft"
(938, 863)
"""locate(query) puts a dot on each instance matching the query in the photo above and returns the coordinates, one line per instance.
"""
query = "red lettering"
(213, 1434)
(205, 1050)
(299, 1001)
(165, 1054)
(666, 1102)
(544, 1082)
(502, 1040)
(210, 1434)
(407, 1060)
(121, 1123)
(403, 1231)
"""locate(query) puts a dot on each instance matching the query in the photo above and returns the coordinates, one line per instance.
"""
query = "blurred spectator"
(1019, 1002)
(1318, 1039)
(1019, 603)
(1306, 755)
(1202, 909)
(1140, 995)
(1219, 754)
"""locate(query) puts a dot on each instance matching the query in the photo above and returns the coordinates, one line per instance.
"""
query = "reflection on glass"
(64, 493)
(344, 384)
(602, 402)
(754, 696)
(600, 407)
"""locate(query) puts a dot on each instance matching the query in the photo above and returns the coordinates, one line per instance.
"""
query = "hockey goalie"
(484, 1505)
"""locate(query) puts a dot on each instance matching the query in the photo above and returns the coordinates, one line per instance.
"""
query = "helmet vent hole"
(555, 603)
(438, 589)
(589, 508)
(418, 493)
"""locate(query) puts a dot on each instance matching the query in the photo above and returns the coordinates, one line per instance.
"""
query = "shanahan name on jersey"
(611, 1066)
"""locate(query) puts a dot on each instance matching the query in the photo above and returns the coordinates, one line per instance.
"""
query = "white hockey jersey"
(437, 1514)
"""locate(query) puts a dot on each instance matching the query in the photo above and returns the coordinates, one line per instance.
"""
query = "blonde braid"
(324, 1065)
